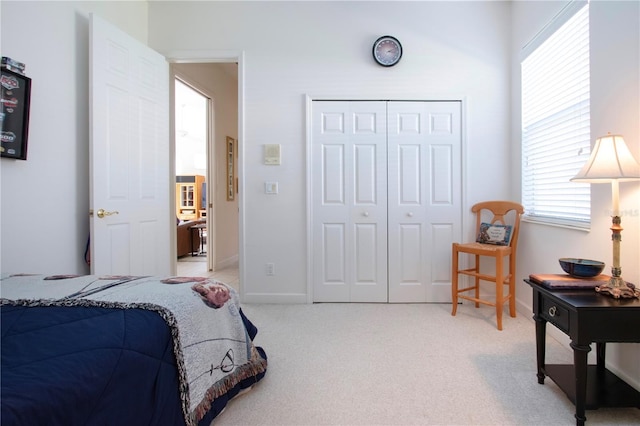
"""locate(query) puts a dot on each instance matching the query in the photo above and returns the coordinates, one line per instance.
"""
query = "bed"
(130, 350)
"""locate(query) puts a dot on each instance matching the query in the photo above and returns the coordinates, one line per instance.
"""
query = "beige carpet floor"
(413, 364)
(197, 267)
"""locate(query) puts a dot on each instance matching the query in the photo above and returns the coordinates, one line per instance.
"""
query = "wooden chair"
(488, 243)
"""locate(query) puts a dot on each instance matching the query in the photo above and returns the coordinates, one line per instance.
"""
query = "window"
(556, 136)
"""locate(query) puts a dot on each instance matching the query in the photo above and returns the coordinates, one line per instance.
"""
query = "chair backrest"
(500, 209)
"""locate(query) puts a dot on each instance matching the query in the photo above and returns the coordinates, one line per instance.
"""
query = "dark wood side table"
(586, 317)
(201, 228)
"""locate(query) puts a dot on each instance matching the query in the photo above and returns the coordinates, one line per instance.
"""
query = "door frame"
(210, 173)
(309, 99)
(214, 56)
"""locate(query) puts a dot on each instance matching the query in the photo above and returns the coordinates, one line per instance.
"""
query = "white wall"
(615, 108)
(451, 50)
(44, 212)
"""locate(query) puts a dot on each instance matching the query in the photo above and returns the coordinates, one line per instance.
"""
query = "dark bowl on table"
(582, 268)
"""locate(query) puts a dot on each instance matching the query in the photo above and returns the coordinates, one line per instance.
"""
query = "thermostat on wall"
(272, 154)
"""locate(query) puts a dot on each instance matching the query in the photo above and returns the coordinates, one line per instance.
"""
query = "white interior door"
(386, 200)
(129, 155)
(424, 158)
(350, 202)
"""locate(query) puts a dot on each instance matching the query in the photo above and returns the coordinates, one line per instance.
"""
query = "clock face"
(387, 51)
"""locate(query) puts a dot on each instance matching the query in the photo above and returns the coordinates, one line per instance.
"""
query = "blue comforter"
(87, 365)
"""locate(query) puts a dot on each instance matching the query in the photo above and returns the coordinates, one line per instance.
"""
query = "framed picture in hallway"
(231, 177)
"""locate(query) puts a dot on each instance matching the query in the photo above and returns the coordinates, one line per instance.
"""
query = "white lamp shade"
(610, 160)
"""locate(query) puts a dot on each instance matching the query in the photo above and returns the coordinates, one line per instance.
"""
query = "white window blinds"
(555, 125)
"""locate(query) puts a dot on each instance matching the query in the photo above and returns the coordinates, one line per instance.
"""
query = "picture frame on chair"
(494, 234)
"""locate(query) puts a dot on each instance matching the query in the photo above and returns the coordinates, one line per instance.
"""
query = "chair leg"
(454, 281)
(499, 290)
(512, 286)
(477, 280)
(512, 298)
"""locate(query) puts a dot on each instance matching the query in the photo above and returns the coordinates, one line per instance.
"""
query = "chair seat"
(480, 247)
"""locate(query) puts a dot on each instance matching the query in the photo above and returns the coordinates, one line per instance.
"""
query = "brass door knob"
(102, 213)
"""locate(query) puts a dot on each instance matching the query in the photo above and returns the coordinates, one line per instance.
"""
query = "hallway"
(198, 268)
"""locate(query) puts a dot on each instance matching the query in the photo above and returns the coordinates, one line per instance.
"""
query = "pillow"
(499, 235)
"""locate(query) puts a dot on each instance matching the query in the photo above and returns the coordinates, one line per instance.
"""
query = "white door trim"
(200, 56)
(309, 99)
(211, 159)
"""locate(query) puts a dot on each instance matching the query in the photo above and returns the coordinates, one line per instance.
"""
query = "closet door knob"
(365, 214)
(410, 214)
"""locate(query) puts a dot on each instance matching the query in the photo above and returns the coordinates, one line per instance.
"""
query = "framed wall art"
(14, 114)
(231, 172)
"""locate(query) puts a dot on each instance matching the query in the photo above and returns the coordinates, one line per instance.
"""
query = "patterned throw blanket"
(212, 348)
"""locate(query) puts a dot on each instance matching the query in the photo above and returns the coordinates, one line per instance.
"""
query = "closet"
(386, 199)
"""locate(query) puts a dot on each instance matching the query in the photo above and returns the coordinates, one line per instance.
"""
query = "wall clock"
(387, 51)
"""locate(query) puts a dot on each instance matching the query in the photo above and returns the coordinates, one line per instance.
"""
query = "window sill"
(584, 227)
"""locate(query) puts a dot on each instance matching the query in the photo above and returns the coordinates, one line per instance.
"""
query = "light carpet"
(409, 364)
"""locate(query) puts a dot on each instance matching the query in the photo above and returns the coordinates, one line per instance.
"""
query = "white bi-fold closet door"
(386, 204)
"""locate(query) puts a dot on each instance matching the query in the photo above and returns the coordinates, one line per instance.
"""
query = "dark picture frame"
(14, 114)
(231, 165)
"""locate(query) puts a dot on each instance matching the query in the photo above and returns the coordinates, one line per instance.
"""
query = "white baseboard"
(226, 263)
(271, 298)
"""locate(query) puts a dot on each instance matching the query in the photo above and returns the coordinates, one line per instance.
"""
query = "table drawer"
(556, 314)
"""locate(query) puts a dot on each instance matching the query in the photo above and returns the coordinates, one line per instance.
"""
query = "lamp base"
(619, 288)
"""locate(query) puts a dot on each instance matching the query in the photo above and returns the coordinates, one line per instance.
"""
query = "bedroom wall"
(451, 50)
(615, 108)
(44, 207)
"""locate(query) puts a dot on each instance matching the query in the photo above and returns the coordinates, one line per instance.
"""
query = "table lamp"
(611, 161)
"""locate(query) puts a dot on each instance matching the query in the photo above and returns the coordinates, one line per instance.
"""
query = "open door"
(129, 155)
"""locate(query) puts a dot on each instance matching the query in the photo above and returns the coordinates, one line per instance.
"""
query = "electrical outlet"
(271, 269)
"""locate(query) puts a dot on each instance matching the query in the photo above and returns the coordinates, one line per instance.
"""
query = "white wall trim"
(309, 140)
(211, 156)
(275, 298)
(226, 263)
(468, 222)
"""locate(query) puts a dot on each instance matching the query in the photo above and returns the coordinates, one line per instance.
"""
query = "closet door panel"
(333, 245)
(333, 175)
(349, 191)
(424, 168)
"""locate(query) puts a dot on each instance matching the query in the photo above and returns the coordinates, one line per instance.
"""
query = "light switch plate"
(271, 187)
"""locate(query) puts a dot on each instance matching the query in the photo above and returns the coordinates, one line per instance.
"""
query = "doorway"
(192, 109)
(387, 196)
(219, 83)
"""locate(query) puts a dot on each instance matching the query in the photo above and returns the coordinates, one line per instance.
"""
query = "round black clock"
(387, 51)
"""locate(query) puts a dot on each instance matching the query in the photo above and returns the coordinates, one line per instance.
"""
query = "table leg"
(541, 325)
(601, 350)
(580, 364)
(191, 241)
